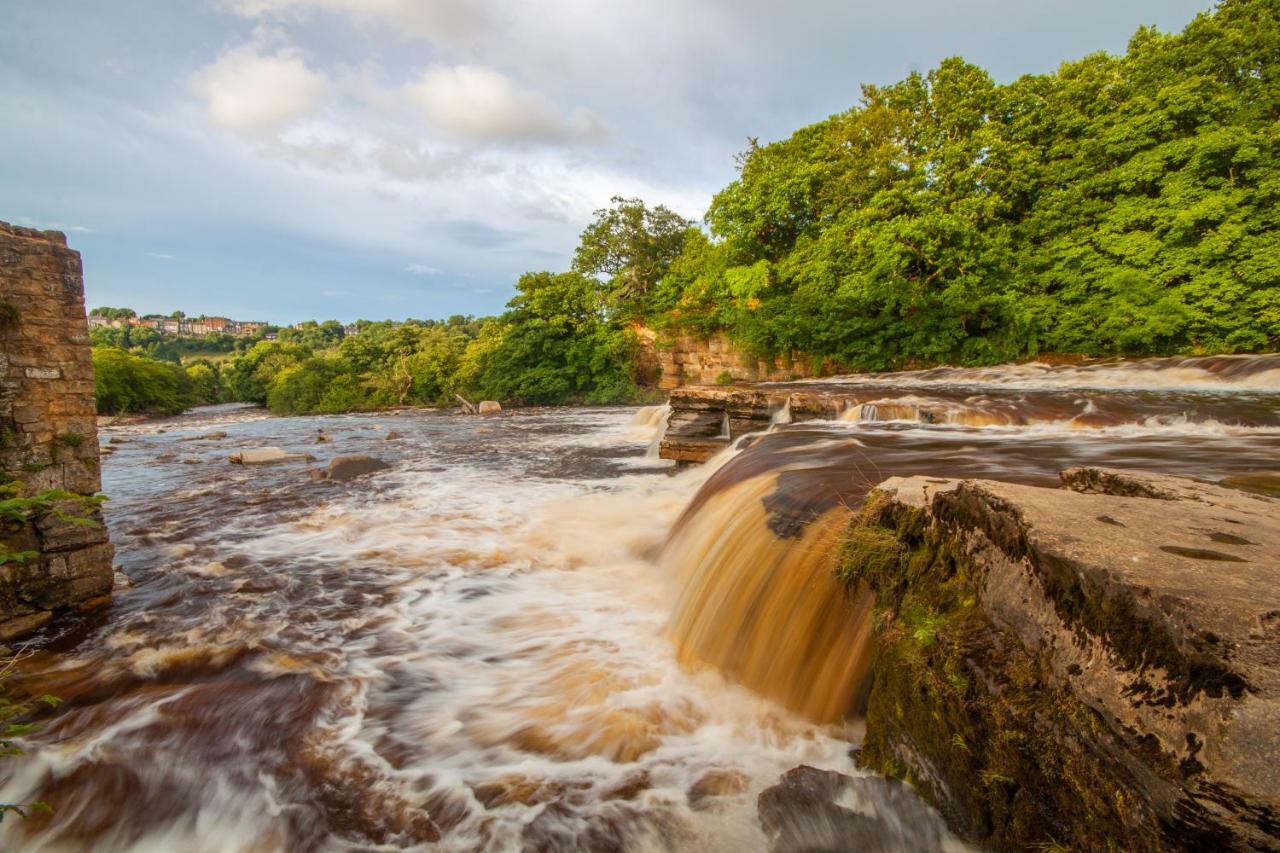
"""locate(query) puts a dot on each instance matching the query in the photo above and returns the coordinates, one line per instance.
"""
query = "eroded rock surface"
(1096, 666)
(821, 811)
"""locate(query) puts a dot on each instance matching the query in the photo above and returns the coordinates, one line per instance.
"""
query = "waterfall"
(763, 606)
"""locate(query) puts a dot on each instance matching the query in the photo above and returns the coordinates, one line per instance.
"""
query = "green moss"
(70, 439)
(965, 714)
(9, 315)
(725, 378)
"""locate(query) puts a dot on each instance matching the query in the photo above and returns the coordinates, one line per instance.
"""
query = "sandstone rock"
(348, 467)
(265, 456)
(208, 436)
(821, 811)
(393, 435)
(704, 421)
(489, 407)
(1096, 667)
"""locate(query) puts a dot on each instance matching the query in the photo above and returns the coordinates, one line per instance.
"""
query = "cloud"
(450, 21)
(162, 256)
(421, 269)
(247, 89)
(28, 222)
(480, 104)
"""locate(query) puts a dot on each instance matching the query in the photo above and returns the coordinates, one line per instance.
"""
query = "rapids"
(529, 633)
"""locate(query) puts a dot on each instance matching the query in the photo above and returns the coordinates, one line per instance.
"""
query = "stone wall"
(48, 433)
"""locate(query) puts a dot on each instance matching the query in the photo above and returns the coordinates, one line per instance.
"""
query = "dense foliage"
(1122, 205)
(129, 383)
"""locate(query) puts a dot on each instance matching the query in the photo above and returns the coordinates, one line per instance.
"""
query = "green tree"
(632, 245)
(251, 374)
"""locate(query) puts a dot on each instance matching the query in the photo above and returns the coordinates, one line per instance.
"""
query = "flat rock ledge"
(1095, 667)
(703, 421)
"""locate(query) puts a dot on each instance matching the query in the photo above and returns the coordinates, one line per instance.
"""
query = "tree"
(556, 344)
(251, 374)
(633, 246)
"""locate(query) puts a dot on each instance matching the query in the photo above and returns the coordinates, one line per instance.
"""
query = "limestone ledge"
(1095, 667)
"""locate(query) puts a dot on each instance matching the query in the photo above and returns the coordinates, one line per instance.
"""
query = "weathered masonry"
(54, 550)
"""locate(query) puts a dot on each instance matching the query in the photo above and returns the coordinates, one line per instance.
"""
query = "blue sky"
(294, 159)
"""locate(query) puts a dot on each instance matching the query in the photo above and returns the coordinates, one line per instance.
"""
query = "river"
(528, 633)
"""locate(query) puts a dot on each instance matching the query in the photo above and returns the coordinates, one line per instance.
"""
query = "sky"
(284, 160)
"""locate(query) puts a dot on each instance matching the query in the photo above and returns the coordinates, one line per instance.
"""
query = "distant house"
(97, 321)
(350, 331)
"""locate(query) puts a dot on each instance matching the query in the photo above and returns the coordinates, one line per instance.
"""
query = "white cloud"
(480, 104)
(250, 90)
(421, 269)
(28, 222)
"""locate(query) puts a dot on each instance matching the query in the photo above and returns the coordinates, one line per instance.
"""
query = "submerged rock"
(821, 811)
(1096, 667)
(349, 467)
(393, 435)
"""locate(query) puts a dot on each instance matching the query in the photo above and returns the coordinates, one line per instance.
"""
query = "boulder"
(393, 435)
(1095, 667)
(821, 811)
(349, 467)
(265, 456)
(489, 407)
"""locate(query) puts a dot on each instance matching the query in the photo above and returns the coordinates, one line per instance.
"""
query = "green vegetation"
(13, 714)
(9, 315)
(18, 509)
(128, 383)
(1122, 205)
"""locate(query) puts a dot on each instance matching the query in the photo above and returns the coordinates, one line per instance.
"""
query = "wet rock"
(349, 467)
(704, 421)
(821, 811)
(208, 436)
(166, 457)
(1261, 484)
(489, 407)
(1096, 667)
(321, 438)
(393, 435)
(265, 456)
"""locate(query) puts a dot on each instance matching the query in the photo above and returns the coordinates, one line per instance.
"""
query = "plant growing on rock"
(13, 727)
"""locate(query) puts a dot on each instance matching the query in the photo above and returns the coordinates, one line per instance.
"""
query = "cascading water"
(526, 635)
(758, 600)
(653, 421)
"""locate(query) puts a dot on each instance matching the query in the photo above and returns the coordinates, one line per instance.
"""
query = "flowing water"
(528, 633)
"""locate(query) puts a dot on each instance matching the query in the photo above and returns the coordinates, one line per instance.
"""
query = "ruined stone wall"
(48, 433)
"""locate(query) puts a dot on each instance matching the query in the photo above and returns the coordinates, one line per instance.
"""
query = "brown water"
(528, 634)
